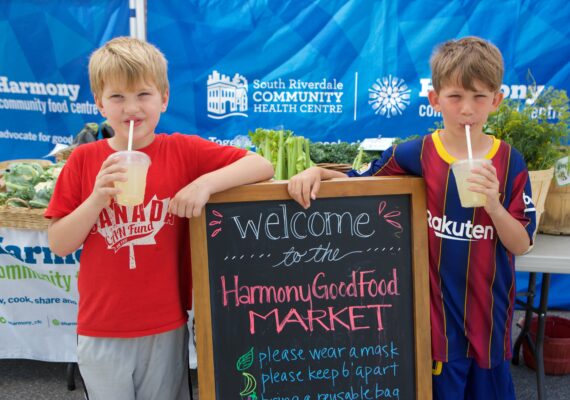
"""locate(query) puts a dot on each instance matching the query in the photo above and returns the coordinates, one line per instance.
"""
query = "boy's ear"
(433, 98)
(99, 105)
(165, 99)
(497, 99)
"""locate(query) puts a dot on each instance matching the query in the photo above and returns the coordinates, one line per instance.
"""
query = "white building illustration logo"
(389, 96)
(226, 98)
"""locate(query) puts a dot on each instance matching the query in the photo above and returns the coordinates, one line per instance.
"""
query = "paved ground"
(35, 380)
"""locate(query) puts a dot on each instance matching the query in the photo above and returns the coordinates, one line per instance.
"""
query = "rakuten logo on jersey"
(462, 231)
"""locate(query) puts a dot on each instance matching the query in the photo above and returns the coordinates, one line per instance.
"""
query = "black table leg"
(528, 306)
(70, 375)
(190, 384)
(539, 353)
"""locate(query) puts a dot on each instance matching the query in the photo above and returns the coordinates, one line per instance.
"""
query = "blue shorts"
(464, 379)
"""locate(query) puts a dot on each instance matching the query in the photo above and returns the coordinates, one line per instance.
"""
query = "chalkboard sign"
(325, 303)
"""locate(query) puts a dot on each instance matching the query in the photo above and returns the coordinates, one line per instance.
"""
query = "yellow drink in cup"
(132, 191)
(462, 170)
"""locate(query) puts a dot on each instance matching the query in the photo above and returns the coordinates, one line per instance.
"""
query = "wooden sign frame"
(335, 188)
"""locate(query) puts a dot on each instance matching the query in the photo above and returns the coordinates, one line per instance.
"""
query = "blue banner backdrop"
(44, 88)
(338, 70)
(329, 70)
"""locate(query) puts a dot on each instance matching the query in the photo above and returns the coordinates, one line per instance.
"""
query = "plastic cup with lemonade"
(462, 170)
(132, 191)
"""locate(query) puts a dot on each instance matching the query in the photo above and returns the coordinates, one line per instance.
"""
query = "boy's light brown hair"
(465, 60)
(128, 61)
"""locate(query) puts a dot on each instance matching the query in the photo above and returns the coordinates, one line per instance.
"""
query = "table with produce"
(38, 290)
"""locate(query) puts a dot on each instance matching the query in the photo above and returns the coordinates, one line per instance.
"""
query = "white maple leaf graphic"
(133, 226)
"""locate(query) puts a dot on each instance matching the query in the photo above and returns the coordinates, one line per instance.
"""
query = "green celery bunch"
(288, 154)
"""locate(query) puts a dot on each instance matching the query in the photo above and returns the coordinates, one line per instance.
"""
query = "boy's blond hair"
(465, 60)
(129, 61)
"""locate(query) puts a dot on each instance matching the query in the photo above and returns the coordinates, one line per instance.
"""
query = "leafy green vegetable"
(339, 153)
(29, 184)
(42, 195)
(528, 129)
(20, 179)
(357, 163)
(289, 154)
(280, 162)
(3, 198)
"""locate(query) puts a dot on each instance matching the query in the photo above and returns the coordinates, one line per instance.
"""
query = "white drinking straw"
(132, 125)
(468, 136)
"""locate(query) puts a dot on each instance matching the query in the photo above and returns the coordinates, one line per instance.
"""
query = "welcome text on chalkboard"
(325, 303)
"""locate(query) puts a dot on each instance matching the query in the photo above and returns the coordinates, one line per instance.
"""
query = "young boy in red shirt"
(132, 321)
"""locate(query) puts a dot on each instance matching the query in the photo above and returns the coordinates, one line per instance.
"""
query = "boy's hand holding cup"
(462, 171)
(136, 163)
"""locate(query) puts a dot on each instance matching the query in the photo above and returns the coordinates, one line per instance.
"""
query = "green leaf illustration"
(245, 361)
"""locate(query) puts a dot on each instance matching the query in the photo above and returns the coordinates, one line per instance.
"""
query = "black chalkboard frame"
(335, 188)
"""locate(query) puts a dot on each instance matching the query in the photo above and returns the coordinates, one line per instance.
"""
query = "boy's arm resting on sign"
(190, 200)
(67, 234)
(305, 186)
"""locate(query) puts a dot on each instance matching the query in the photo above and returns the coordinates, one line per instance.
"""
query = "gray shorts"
(151, 367)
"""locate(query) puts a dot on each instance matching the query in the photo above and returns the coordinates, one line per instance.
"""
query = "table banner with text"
(38, 298)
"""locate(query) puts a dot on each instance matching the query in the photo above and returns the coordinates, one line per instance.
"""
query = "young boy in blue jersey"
(471, 250)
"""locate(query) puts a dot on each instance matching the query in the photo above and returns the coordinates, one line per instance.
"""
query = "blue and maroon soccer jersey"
(472, 275)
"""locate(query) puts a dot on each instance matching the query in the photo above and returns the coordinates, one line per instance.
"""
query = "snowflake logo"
(389, 96)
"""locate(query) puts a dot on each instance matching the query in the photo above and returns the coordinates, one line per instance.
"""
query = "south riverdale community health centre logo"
(233, 96)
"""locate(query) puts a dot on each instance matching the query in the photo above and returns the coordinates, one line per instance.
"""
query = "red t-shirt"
(116, 300)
